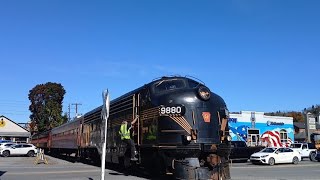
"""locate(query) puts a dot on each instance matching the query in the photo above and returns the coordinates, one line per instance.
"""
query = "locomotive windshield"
(166, 85)
(193, 84)
(169, 84)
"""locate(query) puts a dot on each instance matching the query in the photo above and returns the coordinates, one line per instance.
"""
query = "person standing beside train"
(126, 136)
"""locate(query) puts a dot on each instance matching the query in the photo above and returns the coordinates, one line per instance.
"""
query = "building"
(255, 129)
(300, 131)
(9, 130)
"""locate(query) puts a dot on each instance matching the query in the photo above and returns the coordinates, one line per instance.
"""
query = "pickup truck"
(307, 150)
(241, 152)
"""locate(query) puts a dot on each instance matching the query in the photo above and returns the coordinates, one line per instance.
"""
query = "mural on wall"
(269, 132)
(239, 133)
(272, 139)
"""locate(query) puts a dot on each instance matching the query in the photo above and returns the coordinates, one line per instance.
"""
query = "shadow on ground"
(117, 169)
(2, 172)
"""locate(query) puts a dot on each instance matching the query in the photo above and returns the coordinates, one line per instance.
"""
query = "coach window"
(283, 136)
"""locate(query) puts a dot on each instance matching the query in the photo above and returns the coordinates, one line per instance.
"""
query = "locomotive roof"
(138, 89)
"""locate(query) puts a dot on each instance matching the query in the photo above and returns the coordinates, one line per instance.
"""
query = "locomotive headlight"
(204, 93)
(188, 138)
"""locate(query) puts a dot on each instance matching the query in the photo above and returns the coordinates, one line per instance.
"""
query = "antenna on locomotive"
(104, 117)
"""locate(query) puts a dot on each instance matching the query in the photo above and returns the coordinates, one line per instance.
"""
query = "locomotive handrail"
(136, 104)
(168, 76)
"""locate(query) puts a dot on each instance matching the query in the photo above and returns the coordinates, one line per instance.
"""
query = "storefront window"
(283, 136)
(21, 139)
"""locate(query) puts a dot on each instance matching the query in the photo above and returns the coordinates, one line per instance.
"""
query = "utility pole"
(69, 112)
(76, 104)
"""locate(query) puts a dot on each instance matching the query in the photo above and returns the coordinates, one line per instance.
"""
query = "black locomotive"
(182, 129)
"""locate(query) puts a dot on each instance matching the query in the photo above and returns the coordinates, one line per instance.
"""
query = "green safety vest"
(124, 132)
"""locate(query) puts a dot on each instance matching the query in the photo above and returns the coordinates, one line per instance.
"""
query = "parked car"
(317, 157)
(273, 156)
(307, 150)
(19, 149)
(3, 141)
(6, 144)
(241, 152)
(315, 138)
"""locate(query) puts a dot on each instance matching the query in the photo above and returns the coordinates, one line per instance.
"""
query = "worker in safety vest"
(126, 136)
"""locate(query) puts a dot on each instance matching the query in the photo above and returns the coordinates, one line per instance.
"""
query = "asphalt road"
(305, 170)
(13, 168)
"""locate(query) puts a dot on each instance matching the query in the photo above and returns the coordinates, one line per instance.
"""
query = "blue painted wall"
(239, 125)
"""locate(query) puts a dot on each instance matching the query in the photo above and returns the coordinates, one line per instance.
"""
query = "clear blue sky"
(258, 55)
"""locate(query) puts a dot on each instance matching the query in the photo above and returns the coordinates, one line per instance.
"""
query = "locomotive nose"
(196, 112)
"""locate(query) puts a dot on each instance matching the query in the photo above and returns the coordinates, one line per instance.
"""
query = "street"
(13, 168)
(306, 170)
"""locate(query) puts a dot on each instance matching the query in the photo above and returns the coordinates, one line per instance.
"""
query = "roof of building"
(11, 128)
(15, 134)
(2, 116)
(302, 125)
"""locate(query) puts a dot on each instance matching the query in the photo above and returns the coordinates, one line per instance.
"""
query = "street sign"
(312, 126)
(312, 120)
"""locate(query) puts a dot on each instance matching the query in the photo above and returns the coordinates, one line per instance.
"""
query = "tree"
(297, 116)
(314, 109)
(46, 106)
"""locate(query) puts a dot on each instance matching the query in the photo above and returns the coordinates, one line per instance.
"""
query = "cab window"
(192, 83)
(168, 85)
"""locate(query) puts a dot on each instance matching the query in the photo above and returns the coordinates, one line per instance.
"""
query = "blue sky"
(258, 55)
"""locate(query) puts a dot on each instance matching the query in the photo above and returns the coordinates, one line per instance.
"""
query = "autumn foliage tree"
(297, 116)
(46, 106)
